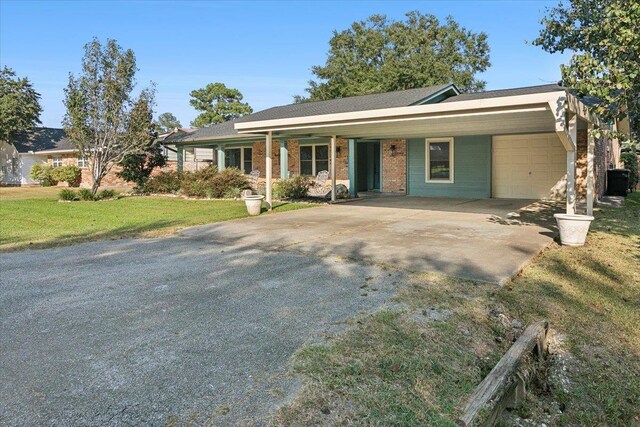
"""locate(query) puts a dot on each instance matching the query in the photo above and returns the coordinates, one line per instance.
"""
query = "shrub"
(86, 195)
(164, 182)
(630, 160)
(227, 180)
(106, 194)
(42, 173)
(295, 187)
(138, 167)
(70, 174)
(209, 182)
(233, 193)
(68, 195)
(196, 184)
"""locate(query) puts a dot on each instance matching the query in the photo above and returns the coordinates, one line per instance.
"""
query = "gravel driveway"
(165, 331)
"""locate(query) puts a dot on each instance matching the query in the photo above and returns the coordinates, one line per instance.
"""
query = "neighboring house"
(525, 143)
(194, 157)
(45, 145)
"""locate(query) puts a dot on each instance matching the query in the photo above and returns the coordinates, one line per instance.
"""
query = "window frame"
(314, 161)
(427, 165)
(81, 162)
(56, 159)
(242, 158)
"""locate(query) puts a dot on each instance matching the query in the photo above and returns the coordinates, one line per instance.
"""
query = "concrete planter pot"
(573, 228)
(254, 204)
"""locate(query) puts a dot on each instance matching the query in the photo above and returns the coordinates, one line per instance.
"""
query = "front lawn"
(33, 218)
(416, 362)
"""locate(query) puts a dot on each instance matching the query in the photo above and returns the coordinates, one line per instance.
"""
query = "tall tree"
(104, 120)
(218, 104)
(167, 122)
(19, 105)
(605, 36)
(380, 55)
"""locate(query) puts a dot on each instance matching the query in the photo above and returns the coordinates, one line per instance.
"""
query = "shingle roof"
(219, 130)
(43, 139)
(376, 101)
(529, 90)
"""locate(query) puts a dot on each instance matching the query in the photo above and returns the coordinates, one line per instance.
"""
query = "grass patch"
(35, 219)
(401, 367)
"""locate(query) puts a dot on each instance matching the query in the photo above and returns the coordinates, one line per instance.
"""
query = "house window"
(82, 162)
(241, 158)
(57, 161)
(439, 160)
(313, 159)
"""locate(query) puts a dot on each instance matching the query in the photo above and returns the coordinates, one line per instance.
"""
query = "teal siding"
(472, 169)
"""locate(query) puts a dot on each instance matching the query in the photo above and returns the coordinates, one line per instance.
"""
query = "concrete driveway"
(475, 239)
(199, 328)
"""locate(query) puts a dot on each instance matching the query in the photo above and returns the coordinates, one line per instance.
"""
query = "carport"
(511, 112)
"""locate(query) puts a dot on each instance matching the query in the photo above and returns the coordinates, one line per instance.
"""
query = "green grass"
(395, 367)
(33, 218)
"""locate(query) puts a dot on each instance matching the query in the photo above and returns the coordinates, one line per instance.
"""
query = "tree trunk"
(95, 186)
(96, 175)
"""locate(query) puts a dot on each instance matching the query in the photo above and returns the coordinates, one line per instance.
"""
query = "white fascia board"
(216, 138)
(44, 153)
(438, 93)
(414, 118)
(400, 112)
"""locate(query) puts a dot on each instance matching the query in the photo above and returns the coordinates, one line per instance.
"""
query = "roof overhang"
(214, 139)
(65, 151)
(544, 112)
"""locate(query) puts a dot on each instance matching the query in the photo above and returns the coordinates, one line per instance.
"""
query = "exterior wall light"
(393, 150)
(338, 150)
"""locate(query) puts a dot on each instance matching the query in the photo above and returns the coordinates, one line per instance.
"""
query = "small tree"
(167, 122)
(138, 167)
(606, 39)
(104, 121)
(19, 105)
(630, 161)
(218, 104)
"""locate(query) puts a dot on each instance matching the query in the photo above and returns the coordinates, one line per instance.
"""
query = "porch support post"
(352, 168)
(220, 157)
(180, 157)
(333, 168)
(269, 167)
(591, 145)
(571, 166)
(284, 159)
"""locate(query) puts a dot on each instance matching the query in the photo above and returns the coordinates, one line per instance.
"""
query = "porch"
(540, 127)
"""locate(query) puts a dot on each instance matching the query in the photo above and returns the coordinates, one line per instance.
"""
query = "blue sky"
(266, 50)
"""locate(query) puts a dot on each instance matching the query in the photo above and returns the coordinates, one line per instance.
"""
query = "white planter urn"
(253, 203)
(573, 228)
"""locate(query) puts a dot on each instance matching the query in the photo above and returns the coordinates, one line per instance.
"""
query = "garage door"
(528, 166)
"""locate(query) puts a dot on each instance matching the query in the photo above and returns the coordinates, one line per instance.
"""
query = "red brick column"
(394, 168)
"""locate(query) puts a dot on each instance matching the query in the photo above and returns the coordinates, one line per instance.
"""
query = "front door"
(368, 166)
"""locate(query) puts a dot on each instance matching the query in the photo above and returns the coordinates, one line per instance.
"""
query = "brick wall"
(86, 180)
(259, 158)
(394, 168)
(603, 157)
(581, 165)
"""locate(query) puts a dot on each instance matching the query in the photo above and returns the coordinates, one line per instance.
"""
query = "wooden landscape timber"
(506, 384)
